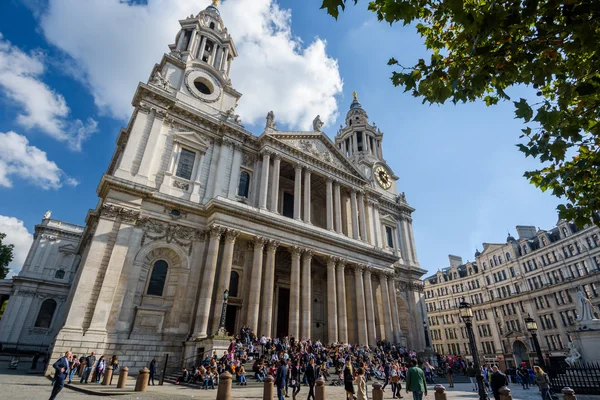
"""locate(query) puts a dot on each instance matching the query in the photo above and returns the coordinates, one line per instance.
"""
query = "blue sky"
(458, 165)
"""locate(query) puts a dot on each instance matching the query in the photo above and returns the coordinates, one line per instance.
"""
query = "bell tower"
(197, 68)
(361, 142)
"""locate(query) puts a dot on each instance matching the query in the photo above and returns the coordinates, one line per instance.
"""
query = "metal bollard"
(268, 392)
(123, 378)
(505, 393)
(440, 392)
(569, 394)
(224, 388)
(141, 383)
(107, 375)
(320, 390)
(377, 393)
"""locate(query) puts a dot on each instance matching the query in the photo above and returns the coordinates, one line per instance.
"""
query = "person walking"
(280, 379)
(449, 373)
(472, 376)
(90, 363)
(61, 370)
(311, 377)
(362, 385)
(497, 380)
(524, 375)
(73, 367)
(349, 379)
(543, 382)
(295, 383)
(415, 381)
(152, 369)
(100, 369)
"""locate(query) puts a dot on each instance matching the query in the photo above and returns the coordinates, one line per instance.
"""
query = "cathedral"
(202, 227)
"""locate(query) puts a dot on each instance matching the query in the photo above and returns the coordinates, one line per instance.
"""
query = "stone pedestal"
(141, 384)
(440, 392)
(569, 394)
(123, 374)
(269, 388)
(505, 393)
(107, 375)
(220, 344)
(377, 393)
(224, 389)
(320, 389)
(587, 340)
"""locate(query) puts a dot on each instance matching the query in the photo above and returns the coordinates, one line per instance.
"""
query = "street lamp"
(427, 343)
(532, 328)
(466, 313)
(222, 331)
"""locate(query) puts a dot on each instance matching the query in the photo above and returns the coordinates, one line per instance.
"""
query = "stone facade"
(36, 297)
(537, 274)
(310, 240)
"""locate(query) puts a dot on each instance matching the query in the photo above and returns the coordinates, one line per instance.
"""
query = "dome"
(477, 253)
(213, 7)
(356, 110)
(510, 238)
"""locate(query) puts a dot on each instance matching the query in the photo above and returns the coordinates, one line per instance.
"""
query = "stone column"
(411, 239)
(264, 181)
(329, 204)
(200, 51)
(223, 283)
(213, 56)
(341, 303)
(294, 325)
(394, 308)
(307, 195)
(275, 183)
(372, 225)
(306, 295)
(338, 207)
(360, 305)
(370, 309)
(224, 59)
(332, 331)
(208, 279)
(387, 312)
(378, 225)
(267, 291)
(362, 216)
(354, 212)
(255, 283)
(298, 193)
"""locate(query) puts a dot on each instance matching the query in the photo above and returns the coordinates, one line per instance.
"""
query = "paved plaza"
(17, 386)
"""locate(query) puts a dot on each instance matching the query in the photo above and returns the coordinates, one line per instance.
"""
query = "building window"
(244, 185)
(186, 164)
(390, 238)
(507, 256)
(158, 278)
(234, 279)
(60, 274)
(44, 318)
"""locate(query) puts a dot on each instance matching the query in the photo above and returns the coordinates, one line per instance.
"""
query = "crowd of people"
(296, 363)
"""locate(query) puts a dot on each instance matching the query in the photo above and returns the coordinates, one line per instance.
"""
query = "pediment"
(491, 247)
(388, 219)
(319, 146)
(191, 139)
(67, 249)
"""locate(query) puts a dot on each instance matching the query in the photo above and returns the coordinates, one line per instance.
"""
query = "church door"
(283, 312)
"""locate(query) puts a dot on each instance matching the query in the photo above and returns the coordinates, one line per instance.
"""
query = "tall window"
(60, 274)
(234, 279)
(186, 164)
(44, 318)
(158, 278)
(244, 185)
(390, 238)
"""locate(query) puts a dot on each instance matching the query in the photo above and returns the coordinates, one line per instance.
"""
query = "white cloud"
(42, 108)
(19, 236)
(19, 159)
(115, 45)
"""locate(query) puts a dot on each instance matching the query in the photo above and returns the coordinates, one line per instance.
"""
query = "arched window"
(495, 261)
(244, 185)
(507, 256)
(524, 249)
(60, 274)
(234, 279)
(564, 231)
(158, 278)
(44, 318)
(212, 25)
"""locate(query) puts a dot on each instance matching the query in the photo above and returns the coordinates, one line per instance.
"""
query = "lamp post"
(466, 313)
(427, 342)
(222, 331)
(532, 328)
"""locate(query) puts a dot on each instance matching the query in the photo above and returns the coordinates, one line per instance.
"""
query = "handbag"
(395, 379)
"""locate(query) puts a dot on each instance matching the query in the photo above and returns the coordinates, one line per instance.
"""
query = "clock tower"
(361, 142)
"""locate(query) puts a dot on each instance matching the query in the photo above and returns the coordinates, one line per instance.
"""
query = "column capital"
(299, 166)
(259, 242)
(272, 245)
(276, 156)
(331, 261)
(308, 254)
(215, 231)
(340, 265)
(295, 251)
(307, 170)
(368, 270)
(265, 153)
(231, 235)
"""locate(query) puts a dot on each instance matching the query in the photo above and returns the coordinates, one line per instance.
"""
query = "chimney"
(526, 232)
(455, 261)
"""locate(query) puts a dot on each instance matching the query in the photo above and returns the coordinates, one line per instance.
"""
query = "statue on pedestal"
(317, 124)
(573, 356)
(47, 214)
(585, 308)
(271, 121)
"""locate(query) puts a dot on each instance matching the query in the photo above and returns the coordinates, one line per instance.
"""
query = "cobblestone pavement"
(17, 386)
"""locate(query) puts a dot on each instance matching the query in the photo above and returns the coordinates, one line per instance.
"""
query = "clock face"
(383, 178)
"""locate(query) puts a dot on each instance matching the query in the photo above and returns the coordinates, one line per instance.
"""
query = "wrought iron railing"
(583, 378)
